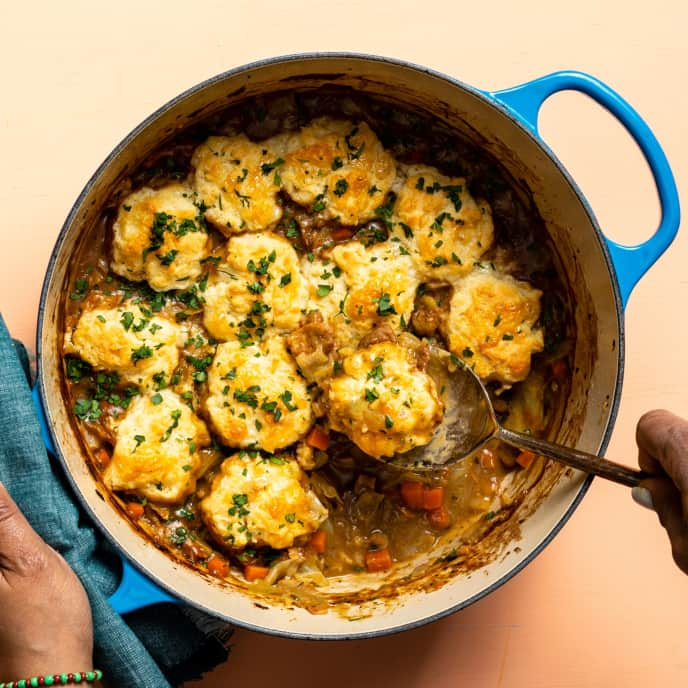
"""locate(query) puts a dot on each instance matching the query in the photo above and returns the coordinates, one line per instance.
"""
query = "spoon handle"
(589, 463)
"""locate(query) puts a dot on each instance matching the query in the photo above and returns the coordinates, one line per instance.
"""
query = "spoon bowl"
(470, 422)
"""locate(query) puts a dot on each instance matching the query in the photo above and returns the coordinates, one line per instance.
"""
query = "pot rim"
(489, 99)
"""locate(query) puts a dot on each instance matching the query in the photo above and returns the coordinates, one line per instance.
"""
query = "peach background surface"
(604, 604)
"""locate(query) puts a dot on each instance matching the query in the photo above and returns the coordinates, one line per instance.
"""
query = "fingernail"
(642, 496)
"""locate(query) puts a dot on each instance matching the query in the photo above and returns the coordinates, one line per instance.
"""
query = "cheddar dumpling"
(490, 325)
(381, 285)
(156, 453)
(158, 237)
(238, 181)
(125, 341)
(383, 402)
(338, 168)
(326, 285)
(445, 228)
(261, 501)
(257, 286)
(257, 397)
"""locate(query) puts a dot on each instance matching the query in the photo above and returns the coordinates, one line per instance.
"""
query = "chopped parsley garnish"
(255, 287)
(286, 398)
(456, 360)
(385, 211)
(498, 319)
(246, 397)
(292, 229)
(467, 353)
(139, 439)
(420, 184)
(167, 258)
(290, 518)
(156, 399)
(285, 279)
(453, 195)
(76, 368)
(239, 502)
(141, 353)
(385, 305)
(176, 415)
(199, 363)
(87, 409)
(324, 290)
(376, 371)
(438, 261)
(319, 204)
(408, 232)
(341, 187)
(437, 224)
(268, 167)
(80, 289)
(371, 395)
(388, 422)
(336, 164)
(245, 200)
(507, 337)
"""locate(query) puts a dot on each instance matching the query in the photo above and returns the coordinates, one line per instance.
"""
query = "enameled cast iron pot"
(600, 274)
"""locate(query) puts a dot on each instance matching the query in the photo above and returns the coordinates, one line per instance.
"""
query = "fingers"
(21, 548)
(662, 441)
(668, 504)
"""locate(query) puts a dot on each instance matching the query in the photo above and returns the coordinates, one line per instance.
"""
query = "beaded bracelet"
(55, 679)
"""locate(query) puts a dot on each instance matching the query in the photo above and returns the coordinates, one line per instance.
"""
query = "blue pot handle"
(135, 590)
(630, 262)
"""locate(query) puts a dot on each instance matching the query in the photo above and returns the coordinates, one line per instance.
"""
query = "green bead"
(77, 677)
(63, 679)
(33, 681)
(99, 674)
(48, 680)
(21, 683)
(89, 676)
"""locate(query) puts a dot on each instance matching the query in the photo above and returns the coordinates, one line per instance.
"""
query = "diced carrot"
(135, 510)
(439, 518)
(318, 438)
(378, 560)
(217, 566)
(487, 459)
(433, 498)
(412, 494)
(254, 572)
(525, 458)
(559, 369)
(102, 457)
(341, 233)
(319, 541)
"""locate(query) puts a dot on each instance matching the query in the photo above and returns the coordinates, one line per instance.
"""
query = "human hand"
(45, 616)
(662, 440)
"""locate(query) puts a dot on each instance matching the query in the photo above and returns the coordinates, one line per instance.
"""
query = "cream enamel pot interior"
(600, 275)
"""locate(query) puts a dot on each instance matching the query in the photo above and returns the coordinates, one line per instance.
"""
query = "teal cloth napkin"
(155, 647)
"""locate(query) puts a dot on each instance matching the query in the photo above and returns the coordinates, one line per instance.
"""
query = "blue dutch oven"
(600, 274)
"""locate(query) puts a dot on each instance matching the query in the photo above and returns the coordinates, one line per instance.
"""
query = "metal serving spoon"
(470, 422)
